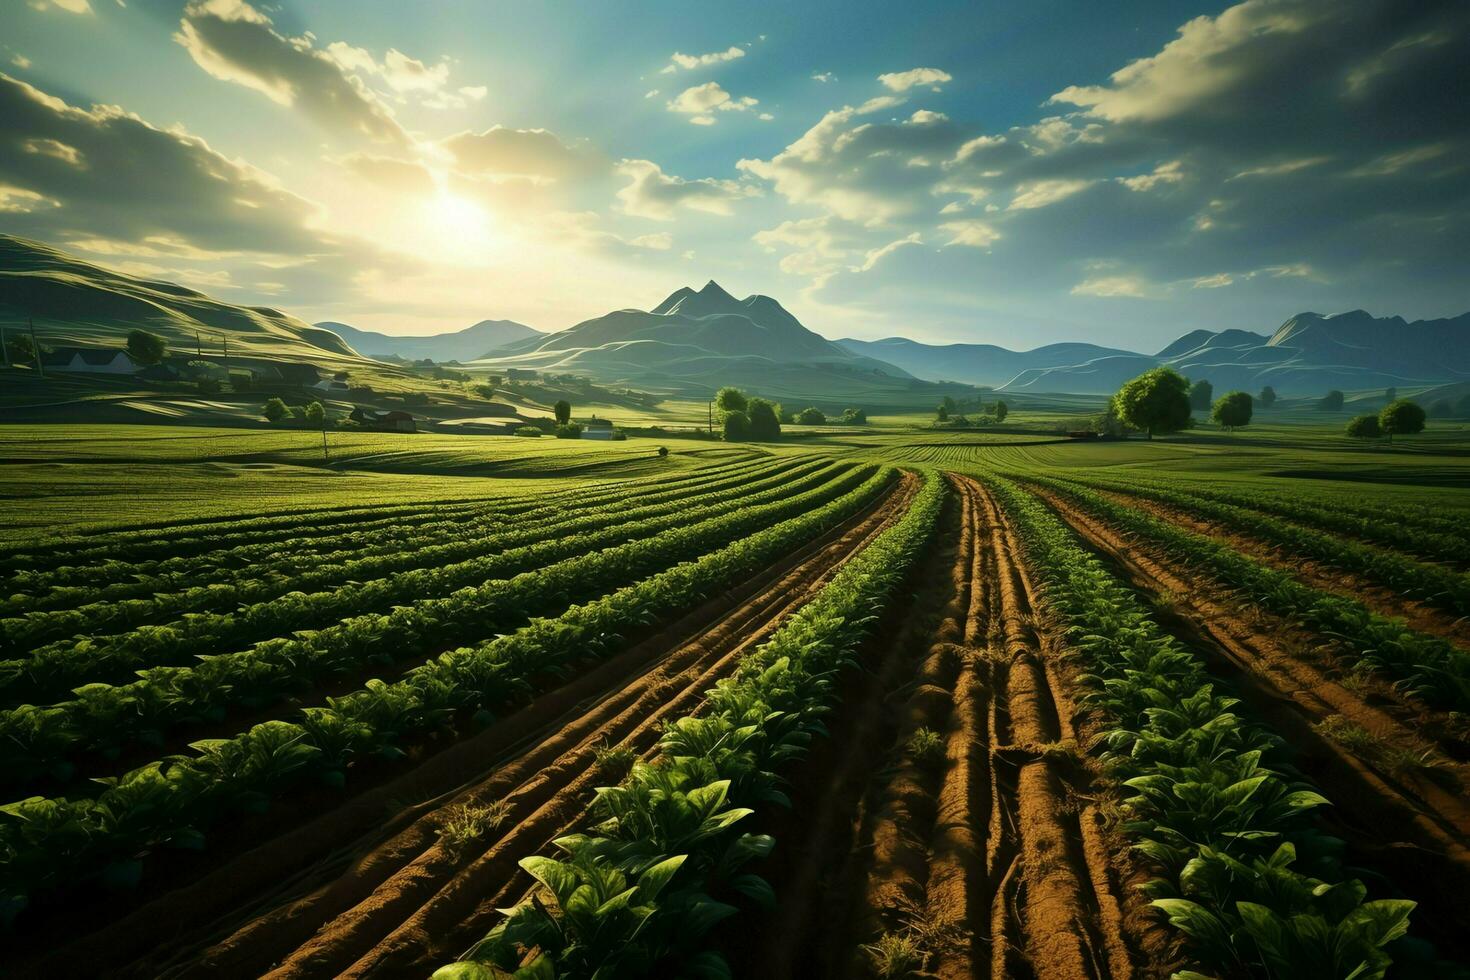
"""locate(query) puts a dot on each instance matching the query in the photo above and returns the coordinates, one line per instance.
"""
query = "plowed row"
(396, 900)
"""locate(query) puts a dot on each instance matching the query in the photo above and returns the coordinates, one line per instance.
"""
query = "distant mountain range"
(698, 340)
(460, 345)
(1308, 354)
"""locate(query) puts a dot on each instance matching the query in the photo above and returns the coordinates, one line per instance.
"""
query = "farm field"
(899, 703)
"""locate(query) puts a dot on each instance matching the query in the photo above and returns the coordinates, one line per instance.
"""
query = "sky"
(1011, 173)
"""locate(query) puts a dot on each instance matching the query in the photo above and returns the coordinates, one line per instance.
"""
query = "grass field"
(1042, 671)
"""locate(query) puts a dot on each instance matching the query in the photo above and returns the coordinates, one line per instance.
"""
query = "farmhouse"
(596, 428)
(90, 360)
(330, 384)
(383, 421)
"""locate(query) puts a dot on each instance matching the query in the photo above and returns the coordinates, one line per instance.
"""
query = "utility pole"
(324, 433)
(198, 346)
(711, 407)
(36, 346)
(4, 344)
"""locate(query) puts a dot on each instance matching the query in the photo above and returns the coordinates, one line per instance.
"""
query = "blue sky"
(1005, 173)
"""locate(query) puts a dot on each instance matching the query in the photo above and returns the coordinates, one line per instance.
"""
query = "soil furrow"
(262, 905)
(1409, 821)
(439, 902)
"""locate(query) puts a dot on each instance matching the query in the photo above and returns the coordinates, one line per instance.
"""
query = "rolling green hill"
(76, 303)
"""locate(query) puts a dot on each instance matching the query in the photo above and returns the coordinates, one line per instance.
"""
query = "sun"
(458, 226)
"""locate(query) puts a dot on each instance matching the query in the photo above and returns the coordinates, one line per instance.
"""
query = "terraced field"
(981, 714)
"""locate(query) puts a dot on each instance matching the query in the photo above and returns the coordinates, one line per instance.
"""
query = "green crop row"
(1391, 527)
(45, 843)
(635, 895)
(1435, 585)
(552, 574)
(228, 559)
(1241, 870)
(1426, 667)
(253, 600)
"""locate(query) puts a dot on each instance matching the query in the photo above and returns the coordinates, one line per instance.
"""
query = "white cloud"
(1040, 193)
(691, 61)
(874, 256)
(650, 93)
(825, 76)
(902, 81)
(1164, 173)
(923, 117)
(654, 194)
(70, 6)
(1214, 282)
(971, 232)
(700, 100)
(1110, 287)
(18, 200)
(659, 241)
(21, 61)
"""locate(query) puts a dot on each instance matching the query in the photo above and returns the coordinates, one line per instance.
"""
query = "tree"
(1401, 417)
(737, 426)
(1364, 427)
(1268, 396)
(145, 347)
(1156, 402)
(942, 413)
(1001, 411)
(765, 426)
(947, 403)
(786, 415)
(1441, 409)
(730, 400)
(276, 410)
(316, 414)
(1331, 402)
(1390, 394)
(486, 392)
(563, 411)
(22, 349)
(811, 416)
(663, 451)
(854, 416)
(569, 430)
(1201, 393)
(1232, 410)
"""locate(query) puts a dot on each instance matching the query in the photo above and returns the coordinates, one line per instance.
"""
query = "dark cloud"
(1288, 144)
(107, 181)
(235, 42)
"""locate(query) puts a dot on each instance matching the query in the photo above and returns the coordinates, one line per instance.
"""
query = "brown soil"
(1409, 822)
(399, 902)
(1319, 575)
(993, 852)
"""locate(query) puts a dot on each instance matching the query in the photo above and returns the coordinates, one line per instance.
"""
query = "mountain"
(73, 302)
(978, 364)
(1307, 355)
(695, 341)
(459, 345)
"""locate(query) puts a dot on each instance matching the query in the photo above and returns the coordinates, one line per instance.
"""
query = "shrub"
(811, 416)
(1156, 402)
(730, 400)
(145, 347)
(1001, 411)
(563, 411)
(275, 410)
(1331, 402)
(736, 427)
(1268, 397)
(663, 452)
(1201, 394)
(854, 416)
(316, 414)
(528, 432)
(569, 430)
(1232, 410)
(926, 747)
(1364, 427)
(765, 426)
(1401, 417)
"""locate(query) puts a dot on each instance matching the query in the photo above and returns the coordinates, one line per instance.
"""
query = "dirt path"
(988, 850)
(267, 905)
(415, 902)
(1411, 822)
